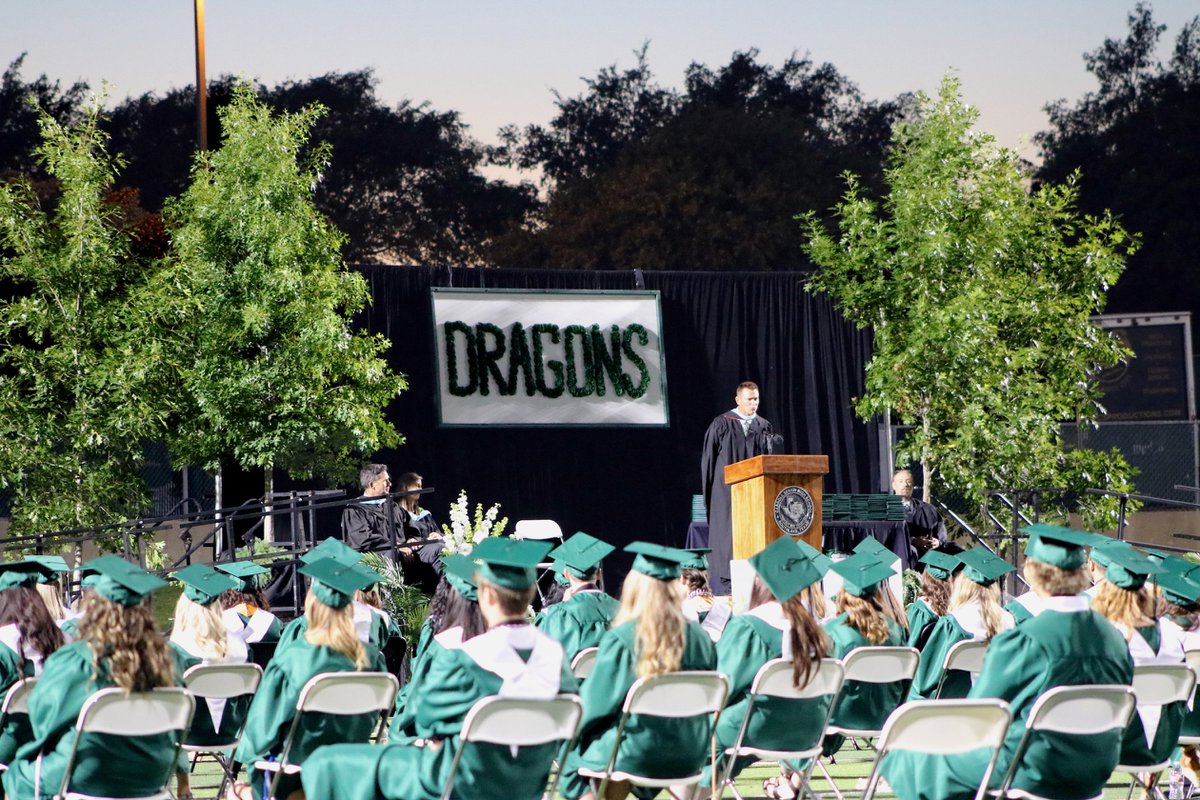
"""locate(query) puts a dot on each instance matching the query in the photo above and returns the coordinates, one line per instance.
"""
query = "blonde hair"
(1125, 608)
(52, 596)
(125, 644)
(967, 591)
(815, 601)
(333, 628)
(201, 625)
(890, 605)
(865, 615)
(1054, 581)
(659, 625)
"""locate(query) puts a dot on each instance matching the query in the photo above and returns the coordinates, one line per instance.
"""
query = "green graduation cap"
(203, 585)
(1127, 568)
(335, 583)
(785, 568)
(557, 568)
(332, 548)
(57, 565)
(699, 559)
(940, 565)
(1170, 562)
(246, 572)
(23, 573)
(1179, 590)
(658, 561)
(121, 582)
(460, 574)
(581, 554)
(983, 566)
(819, 560)
(1102, 551)
(1057, 545)
(862, 573)
(874, 547)
(511, 563)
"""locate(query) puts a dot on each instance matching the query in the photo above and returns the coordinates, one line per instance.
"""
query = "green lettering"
(518, 359)
(607, 361)
(554, 365)
(570, 334)
(458, 389)
(488, 358)
(643, 338)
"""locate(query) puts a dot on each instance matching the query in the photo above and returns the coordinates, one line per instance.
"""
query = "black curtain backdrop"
(622, 484)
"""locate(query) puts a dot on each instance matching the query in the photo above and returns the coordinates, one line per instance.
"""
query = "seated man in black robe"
(925, 528)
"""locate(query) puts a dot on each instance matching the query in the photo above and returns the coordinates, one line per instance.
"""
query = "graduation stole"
(536, 678)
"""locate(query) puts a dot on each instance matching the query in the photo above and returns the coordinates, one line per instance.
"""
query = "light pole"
(201, 84)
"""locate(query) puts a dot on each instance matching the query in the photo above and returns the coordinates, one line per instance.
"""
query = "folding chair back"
(222, 681)
(115, 713)
(1163, 684)
(881, 664)
(675, 695)
(514, 723)
(16, 699)
(584, 662)
(1084, 710)
(537, 529)
(1192, 659)
(944, 728)
(1155, 686)
(962, 657)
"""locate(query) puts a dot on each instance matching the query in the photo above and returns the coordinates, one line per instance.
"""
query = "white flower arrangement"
(462, 534)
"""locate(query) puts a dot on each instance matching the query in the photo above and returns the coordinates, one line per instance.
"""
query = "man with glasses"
(374, 523)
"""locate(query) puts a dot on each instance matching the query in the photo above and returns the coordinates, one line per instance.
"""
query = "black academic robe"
(922, 519)
(725, 443)
(365, 526)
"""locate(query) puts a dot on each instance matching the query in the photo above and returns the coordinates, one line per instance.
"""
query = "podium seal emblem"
(793, 510)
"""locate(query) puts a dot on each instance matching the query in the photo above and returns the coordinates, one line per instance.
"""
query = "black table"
(839, 534)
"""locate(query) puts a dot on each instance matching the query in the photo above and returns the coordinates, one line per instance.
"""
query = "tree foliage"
(1135, 142)
(20, 129)
(979, 293)
(272, 373)
(78, 388)
(641, 176)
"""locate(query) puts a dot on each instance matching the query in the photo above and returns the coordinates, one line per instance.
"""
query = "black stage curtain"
(623, 484)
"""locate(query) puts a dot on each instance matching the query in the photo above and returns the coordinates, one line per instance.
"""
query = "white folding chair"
(1075, 711)
(944, 728)
(341, 693)
(518, 723)
(584, 662)
(675, 695)
(1192, 659)
(774, 681)
(876, 664)
(1158, 685)
(537, 529)
(962, 657)
(114, 713)
(223, 682)
(16, 701)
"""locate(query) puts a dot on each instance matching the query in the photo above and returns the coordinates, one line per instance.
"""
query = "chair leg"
(829, 779)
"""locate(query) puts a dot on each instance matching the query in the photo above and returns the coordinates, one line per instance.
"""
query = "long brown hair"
(22, 606)
(810, 643)
(936, 592)
(865, 615)
(126, 644)
(659, 624)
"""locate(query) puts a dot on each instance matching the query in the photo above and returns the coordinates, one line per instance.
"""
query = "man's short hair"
(370, 473)
(749, 386)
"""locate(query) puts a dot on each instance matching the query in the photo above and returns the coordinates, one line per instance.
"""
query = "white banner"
(549, 358)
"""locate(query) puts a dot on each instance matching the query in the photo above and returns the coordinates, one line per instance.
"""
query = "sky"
(496, 63)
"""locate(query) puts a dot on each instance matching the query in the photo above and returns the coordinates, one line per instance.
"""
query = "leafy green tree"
(644, 177)
(271, 373)
(979, 293)
(20, 101)
(78, 389)
(1134, 140)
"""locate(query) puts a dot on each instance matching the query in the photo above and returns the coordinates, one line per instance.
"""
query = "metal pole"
(201, 83)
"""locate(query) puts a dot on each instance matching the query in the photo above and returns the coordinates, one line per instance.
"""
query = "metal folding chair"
(584, 661)
(16, 701)
(963, 657)
(221, 682)
(1157, 686)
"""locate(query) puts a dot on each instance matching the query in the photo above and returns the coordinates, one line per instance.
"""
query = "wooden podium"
(769, 490)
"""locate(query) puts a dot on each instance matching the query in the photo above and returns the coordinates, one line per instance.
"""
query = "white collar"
(772, 614)
(1066, 604)
(451, 638)
(537, 678)
(742, 416)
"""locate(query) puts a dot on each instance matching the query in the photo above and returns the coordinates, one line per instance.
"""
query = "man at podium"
(736, 435)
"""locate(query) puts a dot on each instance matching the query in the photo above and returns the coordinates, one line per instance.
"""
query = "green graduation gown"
(655, 747)
(260, 626)
(509, 661)
(1024, 607)
(861, 705)
(751, 640)
(919, 614)
(105, 765)
(403, 727)
(1066, 644)
(962, 624)
(16, 729)
(274, 706)
(294, 631)
(215, 721)
(579, 621)
(1190, 640)
(1153, 732)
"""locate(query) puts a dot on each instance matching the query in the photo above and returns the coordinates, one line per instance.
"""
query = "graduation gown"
(726, 443)
(579, 621)
(962, 624)
(1066, 644)
(656, 747)
(13, 668)
(861, 705)
(294, 631)
(1190, 640)
(751, 640)
(404, 714)
(252, 627)
(274, 706)
(919, 615)
(510, 661)
(104, 765)
(216, 721)
(1024, 607)
(1153, 732)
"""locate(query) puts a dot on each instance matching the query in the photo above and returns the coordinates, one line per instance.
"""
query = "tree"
(78, 388)
(979, 293)
(20, 130)
(1134, 140)
(271, 373)
(643, 177)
